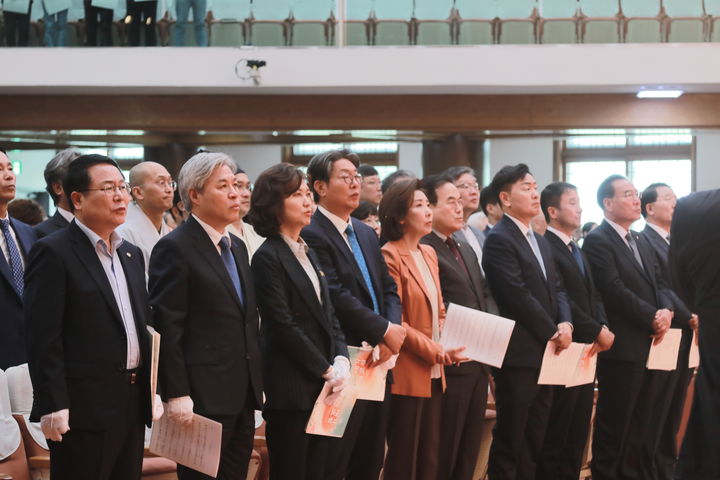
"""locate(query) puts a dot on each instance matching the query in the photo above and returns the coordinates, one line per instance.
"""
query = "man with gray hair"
(203, 301)
(152, 190)
(55, 172)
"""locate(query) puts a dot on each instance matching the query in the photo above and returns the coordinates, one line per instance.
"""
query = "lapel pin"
(322, 274)
(128, 254)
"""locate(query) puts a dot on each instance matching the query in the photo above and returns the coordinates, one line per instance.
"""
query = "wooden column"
(454, 150)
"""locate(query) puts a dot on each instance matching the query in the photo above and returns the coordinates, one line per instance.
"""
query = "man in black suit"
(694, 264)
(55, 172)
(364, 296)
(86, 311)
(657, 204)
(16, 238)
(490, 207)
(203, 298)
(631, 407)
(520, 270)
(467, 185)
(571, 411)
(462, 283)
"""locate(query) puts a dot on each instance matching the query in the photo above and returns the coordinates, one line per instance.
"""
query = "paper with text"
(331, 420)
(370, 382)
(694, 359)
(664, 356)
(485, 335)
(195, 446)
(154, 362)
(585, 370)
(559, 369)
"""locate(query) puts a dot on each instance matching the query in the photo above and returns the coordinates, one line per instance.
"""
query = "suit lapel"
(407, 258)
(59, 220)
(364, 246)
(623, 247)
(5, 271)
(526, 248)
(135, 278)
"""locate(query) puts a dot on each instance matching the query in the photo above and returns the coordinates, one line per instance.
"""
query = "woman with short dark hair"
(300, 337)
(414, 431)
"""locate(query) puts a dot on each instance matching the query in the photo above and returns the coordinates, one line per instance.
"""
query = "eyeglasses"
(164, 183)
(349, 179)
(110, 190)
(630, 194)
(466, 186)
(243, 186)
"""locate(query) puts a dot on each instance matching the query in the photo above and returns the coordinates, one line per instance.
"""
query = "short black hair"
(26, 210)
(431, 183)
(550, 196)
(56, 169)
(321, 165)
(649, 195)
(239, 170)
(506, 177)
(77, 178)
(367, 170)
(487, 197)
(587, 228)
(2, 150)
(456, 172)
(607, 190)
(272, 187)
(394, 177)
(364, 210)
(394, 207)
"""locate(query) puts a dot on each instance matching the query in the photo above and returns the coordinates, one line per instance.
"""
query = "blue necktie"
(16, 269)
(536, 251)
(360, 259)
(578, 256)
(230, 266)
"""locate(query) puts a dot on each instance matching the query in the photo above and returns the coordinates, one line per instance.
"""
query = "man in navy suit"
(54, 173)
(520, 270)
(364, 296)
(16, 238)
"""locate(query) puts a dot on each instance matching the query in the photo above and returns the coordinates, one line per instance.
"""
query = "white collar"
(523, 228)
(296, 247)
(442, 237)
(661, 231)
(339, 223)
(620, 230)
(562, 236)
(214, 235)
(67, 215)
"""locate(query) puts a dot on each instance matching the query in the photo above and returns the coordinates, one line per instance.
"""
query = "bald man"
(152, 190)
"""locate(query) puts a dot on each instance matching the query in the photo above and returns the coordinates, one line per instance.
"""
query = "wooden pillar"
(454, 150)
(172, 156)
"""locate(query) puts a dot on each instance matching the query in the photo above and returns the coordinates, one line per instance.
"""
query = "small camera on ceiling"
(256, 64)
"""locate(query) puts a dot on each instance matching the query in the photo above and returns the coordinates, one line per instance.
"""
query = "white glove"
(180, 410)
(55, 424)
(158, 410)
(338, 374)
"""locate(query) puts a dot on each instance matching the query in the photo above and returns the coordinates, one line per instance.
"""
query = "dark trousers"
(114, 454)
(632, 406)
(91, 25)
(414, 436)
(142, 13)
(523, 409)
(567, 433)
(238, 432)
(294, 455)
(359, 455)
(463, 416)
(17, 28)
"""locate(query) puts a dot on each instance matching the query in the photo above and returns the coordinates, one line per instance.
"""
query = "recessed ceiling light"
(659, 93)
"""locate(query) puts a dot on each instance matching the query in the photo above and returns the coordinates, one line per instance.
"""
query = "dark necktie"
(230, 266)
(16, 269)
(360, 260)
(452, 245)
(634, 248)
(578, 256)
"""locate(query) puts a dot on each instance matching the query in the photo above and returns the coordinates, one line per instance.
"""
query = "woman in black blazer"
(302, 344)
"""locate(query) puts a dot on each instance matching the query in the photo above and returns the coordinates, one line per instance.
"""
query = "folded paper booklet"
(154, 361)
(585, 370)
(571, 367)
(196, 446)
(485, 335)
(664, 355)
(331, 420)
(370, 382)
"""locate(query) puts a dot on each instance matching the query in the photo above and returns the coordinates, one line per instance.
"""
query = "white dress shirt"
(299, 249)
(139, 230)
(4, 246)
(620, 231)
(66, 214)
(214, 235)
(664, 234)
(110, 261)
(562, 236)
(249, 236)
(339, 223)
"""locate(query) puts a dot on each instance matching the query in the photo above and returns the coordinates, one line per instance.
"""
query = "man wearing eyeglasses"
(86, 312)
(364, 296)
(152, 190)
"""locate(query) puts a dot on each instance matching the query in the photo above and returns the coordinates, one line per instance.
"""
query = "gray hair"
(57, 168)
(197, 170)
(456, 172)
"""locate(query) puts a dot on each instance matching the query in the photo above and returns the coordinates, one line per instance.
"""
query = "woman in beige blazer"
(414, 431)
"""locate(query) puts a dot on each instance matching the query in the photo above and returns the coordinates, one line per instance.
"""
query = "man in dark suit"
(490, 207)
(694, 264)
(466, 183)
(462, 283)
(55, 172)
(86, 311)
(16, 238)
(203, 298)
(364, 296)
(520, 270)
(572, 407)
(631, 407)
(657, 204)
